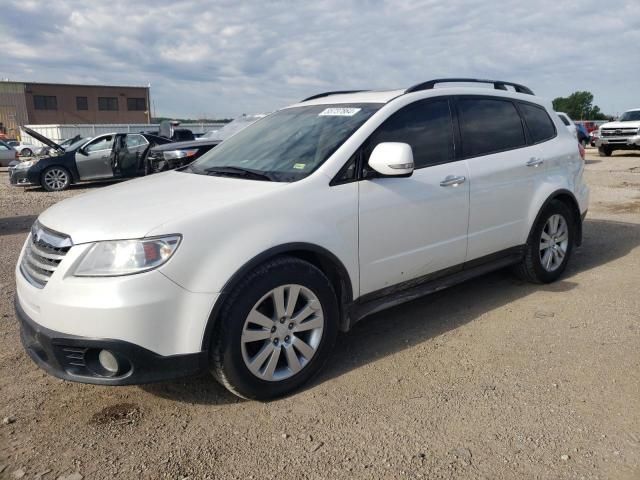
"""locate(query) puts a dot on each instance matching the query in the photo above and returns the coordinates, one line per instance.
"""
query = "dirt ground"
(491, 379)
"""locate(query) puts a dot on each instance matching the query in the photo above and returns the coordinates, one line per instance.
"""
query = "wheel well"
(569, 200)
(324, 260)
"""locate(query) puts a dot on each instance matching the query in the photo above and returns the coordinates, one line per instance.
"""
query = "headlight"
(126, 257)
(173, 154)
(25, 165)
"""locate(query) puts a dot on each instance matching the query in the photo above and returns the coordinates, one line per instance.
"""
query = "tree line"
(579, 106)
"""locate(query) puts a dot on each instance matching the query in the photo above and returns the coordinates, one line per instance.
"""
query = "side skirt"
(405, 292)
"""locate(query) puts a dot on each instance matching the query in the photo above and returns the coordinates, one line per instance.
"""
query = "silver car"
(7, 154)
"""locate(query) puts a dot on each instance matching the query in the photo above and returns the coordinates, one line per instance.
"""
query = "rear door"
(94, 159)
(504, 171)
(413, 227)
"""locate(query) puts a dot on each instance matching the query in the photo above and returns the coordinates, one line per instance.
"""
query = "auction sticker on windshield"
(339, 112)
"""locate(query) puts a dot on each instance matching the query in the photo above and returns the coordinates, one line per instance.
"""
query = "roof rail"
(326, 94)
(497, 84)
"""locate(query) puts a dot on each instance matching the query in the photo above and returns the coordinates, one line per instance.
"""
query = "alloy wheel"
(282, 332)
(56, 179)
(554, 242)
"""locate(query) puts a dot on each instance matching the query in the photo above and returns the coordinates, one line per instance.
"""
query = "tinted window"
(82, 103)
(4, 147)
(45, 102)
(104, 143)
(538, 122)
(565, 120)
(489, 125)
(425, 125)
(107, 103)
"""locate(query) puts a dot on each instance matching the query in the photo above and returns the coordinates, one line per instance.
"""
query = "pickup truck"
(623, 134)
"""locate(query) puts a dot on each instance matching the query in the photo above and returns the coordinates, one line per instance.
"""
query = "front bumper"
(18, 177)
(619, 142)
(77, 358)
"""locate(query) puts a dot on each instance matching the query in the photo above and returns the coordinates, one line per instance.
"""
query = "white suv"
(250, 260)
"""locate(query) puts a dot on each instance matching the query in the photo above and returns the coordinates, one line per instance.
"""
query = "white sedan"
(23, 149)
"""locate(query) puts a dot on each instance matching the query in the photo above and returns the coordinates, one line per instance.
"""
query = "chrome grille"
(619, 132)
(44, 251)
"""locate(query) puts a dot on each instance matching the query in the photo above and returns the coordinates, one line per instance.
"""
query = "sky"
(219, 59)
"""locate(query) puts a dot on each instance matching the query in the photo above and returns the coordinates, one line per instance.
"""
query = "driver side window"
(104, 143)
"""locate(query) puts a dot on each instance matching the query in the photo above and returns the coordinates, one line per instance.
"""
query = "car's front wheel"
(605, 151)
(549, 245)
(55, 179)
(275, 330)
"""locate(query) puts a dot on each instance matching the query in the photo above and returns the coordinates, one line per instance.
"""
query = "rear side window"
(426, 125)
(538, 122)
(565, 120)
(489, 125)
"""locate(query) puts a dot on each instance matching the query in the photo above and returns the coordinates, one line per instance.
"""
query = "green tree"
(579, 106)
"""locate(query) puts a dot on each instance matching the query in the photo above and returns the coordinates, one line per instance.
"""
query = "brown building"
(55, 103)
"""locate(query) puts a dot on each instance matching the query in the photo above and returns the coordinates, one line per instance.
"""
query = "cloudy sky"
(223, 58)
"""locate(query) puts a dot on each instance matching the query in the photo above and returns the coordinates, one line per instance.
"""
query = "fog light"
(108, 361)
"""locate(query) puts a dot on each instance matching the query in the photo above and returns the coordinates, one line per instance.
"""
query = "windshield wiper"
(239, 172)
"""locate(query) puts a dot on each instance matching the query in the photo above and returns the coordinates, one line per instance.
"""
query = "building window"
(108, 103)
(45, 102)
(82, 103)
(138, 104)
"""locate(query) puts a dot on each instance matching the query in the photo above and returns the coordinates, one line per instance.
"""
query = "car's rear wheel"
(276, 329)
(605, 151)
(549, 246)
(55, 179)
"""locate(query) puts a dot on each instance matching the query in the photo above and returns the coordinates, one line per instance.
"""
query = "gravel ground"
(491, 379)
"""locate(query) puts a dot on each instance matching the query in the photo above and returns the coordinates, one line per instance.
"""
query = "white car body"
(24, 148)
(571, 126)
(381, 232)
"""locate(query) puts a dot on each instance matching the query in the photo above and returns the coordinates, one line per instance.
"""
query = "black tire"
(61, 173)
(531, 268)
(605, 151)
(26, 152)
(227, 362)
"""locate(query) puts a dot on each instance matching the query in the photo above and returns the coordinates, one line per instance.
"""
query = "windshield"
(232, 127)
(74, 145)
(289, 144)
(631, 116)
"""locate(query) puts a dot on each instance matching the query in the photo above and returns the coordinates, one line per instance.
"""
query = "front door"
(94, 161)
(417, 226)
(128, 155)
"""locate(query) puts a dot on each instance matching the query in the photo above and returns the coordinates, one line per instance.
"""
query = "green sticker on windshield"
(299, 166)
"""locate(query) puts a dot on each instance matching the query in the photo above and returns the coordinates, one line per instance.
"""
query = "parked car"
(24, 149)
(107, 156)
(624, 134)
(568, 123)
(247, 262)
(174, 155)
(7, 154)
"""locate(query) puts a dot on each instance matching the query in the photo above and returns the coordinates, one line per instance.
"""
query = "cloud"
(224, 58)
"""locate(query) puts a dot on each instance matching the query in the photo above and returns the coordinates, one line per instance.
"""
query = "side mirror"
(392, 159)
(83, 151)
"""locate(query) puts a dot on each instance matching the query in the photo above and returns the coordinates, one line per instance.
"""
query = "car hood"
(43, 139)
(187, 144)
(633, 124)
(132, 209)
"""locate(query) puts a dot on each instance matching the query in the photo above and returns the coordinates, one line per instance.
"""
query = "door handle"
(535, 162)
(452, 181)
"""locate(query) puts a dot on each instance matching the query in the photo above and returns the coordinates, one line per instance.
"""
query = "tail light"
(581, 150)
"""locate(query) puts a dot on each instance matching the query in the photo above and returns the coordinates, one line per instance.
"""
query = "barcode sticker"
(339, 112)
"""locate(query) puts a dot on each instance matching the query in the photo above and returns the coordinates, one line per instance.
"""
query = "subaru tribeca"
(296, 228)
